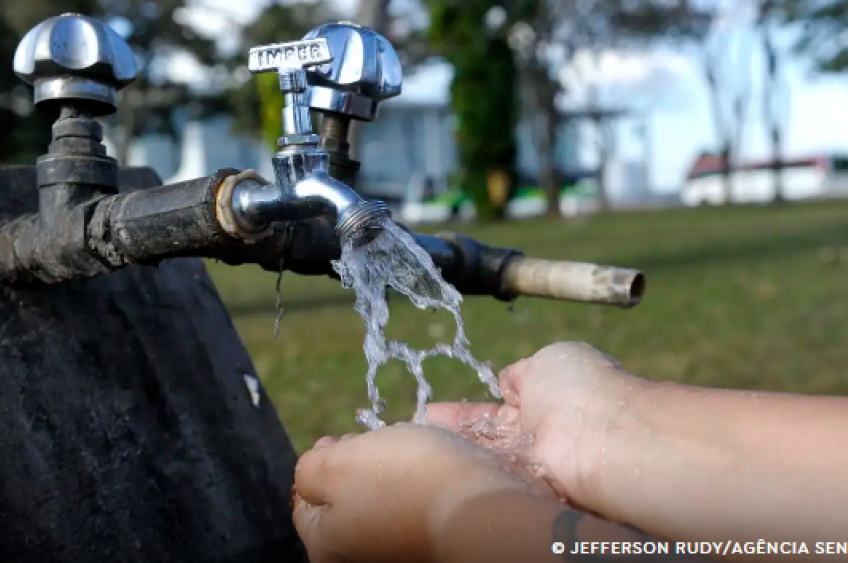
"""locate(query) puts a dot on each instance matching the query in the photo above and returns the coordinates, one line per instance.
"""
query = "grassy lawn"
(749, 298)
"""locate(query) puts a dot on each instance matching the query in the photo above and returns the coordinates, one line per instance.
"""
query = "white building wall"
(405, 144)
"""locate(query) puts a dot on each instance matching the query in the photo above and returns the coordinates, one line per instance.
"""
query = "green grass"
(741, 298)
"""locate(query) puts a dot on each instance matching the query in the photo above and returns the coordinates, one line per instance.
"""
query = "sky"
(665, 88)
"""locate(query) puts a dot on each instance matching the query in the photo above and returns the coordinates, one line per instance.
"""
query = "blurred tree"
(531, 39)
(483, 95)
(730, 93)
(279, 22)
(547, 36)
(411, 42)
(25, 136)
(770, 15)
(20, 17)
(548, 40)
(822, 25)
(157, 31)
(719, 36)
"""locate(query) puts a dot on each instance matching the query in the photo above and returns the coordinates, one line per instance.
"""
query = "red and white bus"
(821, 177)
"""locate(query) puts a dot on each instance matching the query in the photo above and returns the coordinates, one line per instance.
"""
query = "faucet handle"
(290, 61)
(366, 71)
(75, 60)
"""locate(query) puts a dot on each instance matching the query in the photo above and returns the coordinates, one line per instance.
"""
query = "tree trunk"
(549, 118)
(777, 152)
(547, 170)
(604, 203)
(772, 116)
(603, 194)
(722, 131)
(127, 429)
(727, 172)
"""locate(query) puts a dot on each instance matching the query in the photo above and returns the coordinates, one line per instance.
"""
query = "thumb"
(313, 474)
(511, 380)
(307, 522)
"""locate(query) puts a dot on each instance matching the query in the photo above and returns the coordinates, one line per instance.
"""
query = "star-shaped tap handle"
(290, 61)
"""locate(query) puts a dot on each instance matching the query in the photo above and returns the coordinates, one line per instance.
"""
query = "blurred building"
(411, 142)
(407, 141)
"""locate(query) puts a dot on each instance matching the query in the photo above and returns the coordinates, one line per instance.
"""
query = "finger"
(511, 380)
(313, 475)
(307, 521)
(325, 441)
(575, 354)
(455, 415)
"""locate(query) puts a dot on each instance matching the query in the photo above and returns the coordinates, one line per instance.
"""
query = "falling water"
(393, 259)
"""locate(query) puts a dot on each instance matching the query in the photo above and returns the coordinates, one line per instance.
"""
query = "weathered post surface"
(127, 430)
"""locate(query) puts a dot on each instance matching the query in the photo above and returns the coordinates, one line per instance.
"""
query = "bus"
(821, 177)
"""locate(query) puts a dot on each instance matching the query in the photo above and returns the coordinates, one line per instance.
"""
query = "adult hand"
(568, 397)
(387, 495)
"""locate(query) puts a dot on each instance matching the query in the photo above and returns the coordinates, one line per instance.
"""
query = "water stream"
(393, 259)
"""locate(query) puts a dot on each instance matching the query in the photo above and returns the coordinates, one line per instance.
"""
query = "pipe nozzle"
(363, 222)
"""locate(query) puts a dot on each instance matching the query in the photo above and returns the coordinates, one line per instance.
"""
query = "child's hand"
(384, 496)
(569, 396)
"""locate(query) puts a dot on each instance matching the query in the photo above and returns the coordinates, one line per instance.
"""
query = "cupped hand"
(383, 496)
(568, 397)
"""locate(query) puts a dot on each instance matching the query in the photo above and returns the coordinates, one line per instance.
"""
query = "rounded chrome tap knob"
(75, 59)
(365, 70)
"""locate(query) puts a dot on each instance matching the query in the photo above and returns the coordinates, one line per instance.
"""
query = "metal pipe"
(477, 269)
(148, 226)
(258, 205)
(334, 130)
(184, 219)
(574, 281)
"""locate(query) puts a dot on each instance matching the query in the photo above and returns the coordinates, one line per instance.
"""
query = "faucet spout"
(305, 190)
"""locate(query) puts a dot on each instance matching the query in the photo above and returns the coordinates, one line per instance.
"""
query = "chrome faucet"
(304, 188)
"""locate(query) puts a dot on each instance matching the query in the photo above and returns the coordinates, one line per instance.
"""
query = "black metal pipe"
(147, 226)
(471, 266)
(101, 235)
(33, 252)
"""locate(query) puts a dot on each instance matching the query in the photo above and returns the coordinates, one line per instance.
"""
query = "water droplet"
(622, 402)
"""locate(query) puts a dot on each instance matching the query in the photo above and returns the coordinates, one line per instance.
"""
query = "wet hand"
(568, 397)
(384, 496)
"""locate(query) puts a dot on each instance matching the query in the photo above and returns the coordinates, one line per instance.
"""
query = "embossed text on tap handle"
(293, 55)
